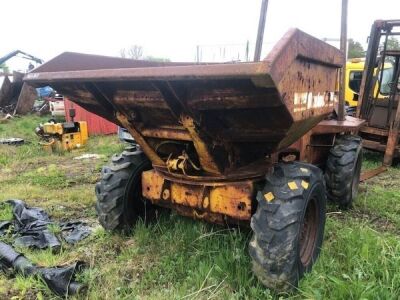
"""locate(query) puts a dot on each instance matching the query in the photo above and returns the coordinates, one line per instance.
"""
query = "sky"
(172, 28)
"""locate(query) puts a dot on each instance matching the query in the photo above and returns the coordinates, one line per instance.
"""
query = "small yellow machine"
(62, 136)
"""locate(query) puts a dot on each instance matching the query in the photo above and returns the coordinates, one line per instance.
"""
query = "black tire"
(288, 225)
(343, 170)
(119, 193)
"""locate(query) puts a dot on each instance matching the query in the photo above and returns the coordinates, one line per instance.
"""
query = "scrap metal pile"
(16, 97)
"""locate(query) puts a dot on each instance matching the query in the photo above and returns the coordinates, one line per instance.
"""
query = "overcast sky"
(173, 28)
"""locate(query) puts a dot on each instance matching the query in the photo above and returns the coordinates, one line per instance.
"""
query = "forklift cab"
(382, 114)
(383, 111)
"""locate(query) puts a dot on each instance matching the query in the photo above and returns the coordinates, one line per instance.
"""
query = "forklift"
(382, 114)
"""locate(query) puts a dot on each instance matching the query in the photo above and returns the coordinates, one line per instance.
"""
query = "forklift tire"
(288, 226)
(343, 170)
(119, 193)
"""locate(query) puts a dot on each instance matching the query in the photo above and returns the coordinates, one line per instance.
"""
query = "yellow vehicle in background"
(354, 72)
(65, 136)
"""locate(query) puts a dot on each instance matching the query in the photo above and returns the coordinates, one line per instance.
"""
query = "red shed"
(96, 124)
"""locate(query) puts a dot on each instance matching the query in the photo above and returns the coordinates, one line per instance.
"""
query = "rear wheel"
(343, 170)
(119, 193)
(288, 225)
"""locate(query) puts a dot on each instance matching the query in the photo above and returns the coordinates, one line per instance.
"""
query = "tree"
(136, 52)
(133, 52)
(355, 49)
(4, 68)
(393, 44)
(157, 59)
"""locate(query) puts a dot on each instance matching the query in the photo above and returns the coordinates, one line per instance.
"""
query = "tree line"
(355, 49)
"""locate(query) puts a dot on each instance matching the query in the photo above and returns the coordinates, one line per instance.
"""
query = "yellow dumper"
(253, 144)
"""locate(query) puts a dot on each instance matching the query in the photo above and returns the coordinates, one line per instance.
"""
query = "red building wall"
(96, 124)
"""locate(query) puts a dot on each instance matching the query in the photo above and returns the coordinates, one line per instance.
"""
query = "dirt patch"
(81, 171)
(8, 292)
(74, 172)
(377, 222)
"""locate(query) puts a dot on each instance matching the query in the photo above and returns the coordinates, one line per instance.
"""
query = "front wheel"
(120, 203)
(288, 225)
(343, 170)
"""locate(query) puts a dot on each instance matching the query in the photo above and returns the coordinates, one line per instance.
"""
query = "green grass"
(178, 258)
(372, 160)
(20, 128)
(5, 212)
(357, 262)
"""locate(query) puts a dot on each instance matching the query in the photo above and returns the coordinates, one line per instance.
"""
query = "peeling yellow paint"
(232, 199)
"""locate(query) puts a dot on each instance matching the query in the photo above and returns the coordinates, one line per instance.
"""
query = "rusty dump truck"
(249, 144)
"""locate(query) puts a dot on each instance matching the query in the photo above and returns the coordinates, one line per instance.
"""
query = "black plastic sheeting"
(30, 226)
(61, 280)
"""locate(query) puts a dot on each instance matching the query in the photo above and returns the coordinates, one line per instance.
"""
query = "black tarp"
(31, 228)
(60, 280)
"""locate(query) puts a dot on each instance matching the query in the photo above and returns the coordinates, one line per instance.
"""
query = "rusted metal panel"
(253, 171)
(151, 154)
(224, 117)
(374, 130)
(350, 124)
(5, 91)
(167, 133)
(372, 173)
(71, 61)
(374, 145)
(26, 99)
(393, 138)
(10, 92)
(229, 199)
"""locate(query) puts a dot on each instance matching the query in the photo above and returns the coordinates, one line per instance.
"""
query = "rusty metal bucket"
(221, 120)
